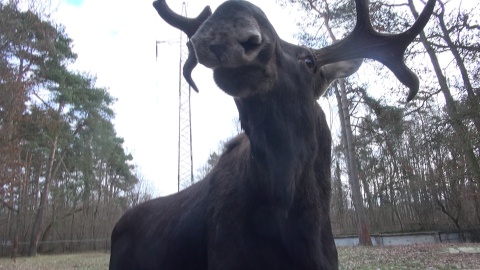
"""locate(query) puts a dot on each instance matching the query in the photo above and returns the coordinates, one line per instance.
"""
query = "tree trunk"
(42, 208)
(363, 233)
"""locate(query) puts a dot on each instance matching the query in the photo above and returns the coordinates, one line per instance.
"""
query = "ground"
(89, 261)
(428, 256)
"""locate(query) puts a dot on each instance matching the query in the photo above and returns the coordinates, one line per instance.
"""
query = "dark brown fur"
(265, 205)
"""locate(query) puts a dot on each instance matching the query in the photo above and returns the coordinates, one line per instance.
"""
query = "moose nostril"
(218, 49)
(251, 43)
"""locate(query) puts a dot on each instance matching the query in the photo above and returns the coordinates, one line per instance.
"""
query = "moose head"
(239, 37)
(265, 205)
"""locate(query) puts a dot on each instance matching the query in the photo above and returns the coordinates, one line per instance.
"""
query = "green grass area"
(431, 256)
(91, 261)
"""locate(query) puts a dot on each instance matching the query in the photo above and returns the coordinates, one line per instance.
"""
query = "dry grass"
(89, 261)
(431, 256)
(426, 256)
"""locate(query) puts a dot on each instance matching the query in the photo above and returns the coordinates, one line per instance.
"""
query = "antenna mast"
(185, 156)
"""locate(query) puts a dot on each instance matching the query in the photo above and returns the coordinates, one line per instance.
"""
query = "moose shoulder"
(265, 205)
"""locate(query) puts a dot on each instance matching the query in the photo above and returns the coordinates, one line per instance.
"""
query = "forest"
(65, 177)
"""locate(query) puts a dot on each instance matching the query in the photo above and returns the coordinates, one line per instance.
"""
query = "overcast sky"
(115, 40)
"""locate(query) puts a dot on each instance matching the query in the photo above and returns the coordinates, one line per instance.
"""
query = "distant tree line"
(64, 174)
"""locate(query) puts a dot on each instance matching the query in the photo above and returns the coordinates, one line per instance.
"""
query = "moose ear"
(342, 69)
(331, 72)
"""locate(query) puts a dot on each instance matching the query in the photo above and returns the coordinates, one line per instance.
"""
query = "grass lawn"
(426, 256)
(58, 262)
(430, 256)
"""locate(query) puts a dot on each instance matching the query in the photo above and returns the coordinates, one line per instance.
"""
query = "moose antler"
(365, 42)
(187, 25)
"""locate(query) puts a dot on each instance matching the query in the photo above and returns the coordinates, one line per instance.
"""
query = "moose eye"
(309, 61)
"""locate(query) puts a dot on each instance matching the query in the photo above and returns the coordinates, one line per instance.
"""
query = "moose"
(265, 205)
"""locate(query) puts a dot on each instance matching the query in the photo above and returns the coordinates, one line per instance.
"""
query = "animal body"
(265, 205)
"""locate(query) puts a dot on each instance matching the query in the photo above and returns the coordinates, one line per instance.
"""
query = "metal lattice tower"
(185, 156)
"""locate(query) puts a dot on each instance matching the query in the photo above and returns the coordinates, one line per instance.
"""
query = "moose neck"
(280, 125)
